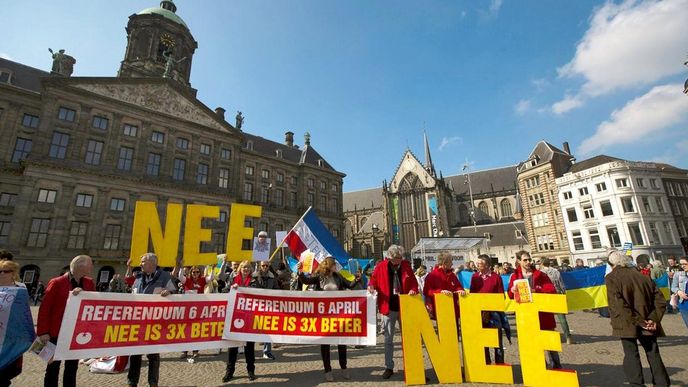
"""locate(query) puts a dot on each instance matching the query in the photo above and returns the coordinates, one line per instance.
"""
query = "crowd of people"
(636, 306)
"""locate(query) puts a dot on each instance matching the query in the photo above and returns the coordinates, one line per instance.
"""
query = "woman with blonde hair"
(421, 273)
(326, 277)
(243, 279)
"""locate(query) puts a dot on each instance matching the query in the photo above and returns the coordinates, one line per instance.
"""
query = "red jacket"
(438, 280)
(541, 284)
(54, 302)
(380, 281)
(492, 284)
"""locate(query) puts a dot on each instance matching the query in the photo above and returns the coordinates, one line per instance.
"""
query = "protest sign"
(112, 324)
(337, 317)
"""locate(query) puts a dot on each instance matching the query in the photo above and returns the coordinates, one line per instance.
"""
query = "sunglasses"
(527, 259)
(264, 265)
(195, 272)
(6, 271)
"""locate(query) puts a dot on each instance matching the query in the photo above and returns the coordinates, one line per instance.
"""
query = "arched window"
(362, 222)
(484, 209)
(506, 208)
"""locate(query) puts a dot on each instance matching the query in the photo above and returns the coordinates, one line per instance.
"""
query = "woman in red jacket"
(442, 280)
(539, 283)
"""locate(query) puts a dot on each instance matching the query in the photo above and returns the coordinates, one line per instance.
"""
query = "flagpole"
(292, 229)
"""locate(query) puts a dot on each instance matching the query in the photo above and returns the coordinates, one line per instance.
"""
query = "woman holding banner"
(327, 278)
(244, 279)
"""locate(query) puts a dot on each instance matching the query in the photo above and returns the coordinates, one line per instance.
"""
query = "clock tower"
(159, 44)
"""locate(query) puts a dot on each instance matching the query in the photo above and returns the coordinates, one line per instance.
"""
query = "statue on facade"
(239, 120)
(170, 62)
(63, 64)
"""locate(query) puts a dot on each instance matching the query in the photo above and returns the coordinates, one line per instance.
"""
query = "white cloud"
(630, 44)
(495, 5)
(450, 140)
(522, 107)
(540, 84)
(566, 104)
(645, 116)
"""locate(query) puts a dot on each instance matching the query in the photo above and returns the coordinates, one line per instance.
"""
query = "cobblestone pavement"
(596, 356)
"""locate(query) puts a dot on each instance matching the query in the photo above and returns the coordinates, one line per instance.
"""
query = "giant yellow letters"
(147, 222)
(236, 232)
(194, 234)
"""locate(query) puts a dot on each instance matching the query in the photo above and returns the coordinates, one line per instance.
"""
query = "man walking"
(555, 277)
(636, 306)
(391, 278)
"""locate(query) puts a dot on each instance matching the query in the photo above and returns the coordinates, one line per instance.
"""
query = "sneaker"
(346, 374)
(387, 374)
(228, 376)
(251, 376)
(329, 377)
(191, 360)
(269, 356)
(569, 340)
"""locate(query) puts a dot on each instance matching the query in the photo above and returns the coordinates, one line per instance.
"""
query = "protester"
(150, 280)
(195, 283)
(52, 309)
(672, 268)
(470, 266)
(6, 255)
(679, 286)
(555, 277)
(16, 319)
(442, 280)
(657, 270)
(637, 307)
(539, 283)
(645, 269)
(117, 285)
(421, 273)
(38, 293)
(580, 265)
(327, 278)
(265, 279)
(507, 268)
(487, 281)
(391, 278)
(565, 268)
(283, 276)
(244, 278)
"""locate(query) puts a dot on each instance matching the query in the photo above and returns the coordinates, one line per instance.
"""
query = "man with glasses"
(539, 283)
(391, 278)
(265, 279)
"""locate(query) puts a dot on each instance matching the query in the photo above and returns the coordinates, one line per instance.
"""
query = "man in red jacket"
(52, 309)
(539, 283)
(391, 277)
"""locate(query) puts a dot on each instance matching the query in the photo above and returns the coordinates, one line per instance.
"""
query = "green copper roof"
(164, 13)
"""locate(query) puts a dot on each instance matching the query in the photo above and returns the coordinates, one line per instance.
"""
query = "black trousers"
(631, 363)
(11, 371)
(52, 372)
(325, 352)
(135, 368)
(249, 354)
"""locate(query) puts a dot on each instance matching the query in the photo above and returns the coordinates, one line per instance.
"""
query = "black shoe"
(251, 376)
(387, 374)
(228, 376)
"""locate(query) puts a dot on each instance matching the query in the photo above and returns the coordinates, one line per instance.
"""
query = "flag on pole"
(310, 236)
(16, 324)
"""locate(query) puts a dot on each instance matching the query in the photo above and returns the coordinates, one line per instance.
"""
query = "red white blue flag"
(309, 234)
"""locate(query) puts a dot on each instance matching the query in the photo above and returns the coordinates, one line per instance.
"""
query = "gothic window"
(484, 209)
(506, 208)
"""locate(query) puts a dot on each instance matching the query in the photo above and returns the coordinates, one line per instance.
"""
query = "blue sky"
(486, 79)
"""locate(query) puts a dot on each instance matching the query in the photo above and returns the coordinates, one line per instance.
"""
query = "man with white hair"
(636, 306)
(391, 278)
(52, 310)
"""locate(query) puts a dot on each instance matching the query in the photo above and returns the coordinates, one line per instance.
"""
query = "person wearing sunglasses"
(243, 279)
(193, 284)
(679, 286)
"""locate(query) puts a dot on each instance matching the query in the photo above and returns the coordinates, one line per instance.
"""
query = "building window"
(577, 240)
(4, 233)
(249, 145)
(533, 182)
(334, 189)
(178, 169)
(640, 182)
(294, 180)
(536, 200)
(225, 154)
(323, 186)
(278, 153)
(627, 204)
(660, 204)
(588, 212)
(77, 235)
(613, 236)
(38, 234)
(249, 170)
(223, 216)
(310, 199)
(484, 210)
(22, 149)
(153, 164)
(505, 206)
(583, 191)
(279, 198)
(158, 137)
(621, 183)
(280, 177)
(265, 174)
(606, 207)
(223, 180)
(654, 234)
(334, 205)
(126, 155)
(66, 114)
(100, 122)
(646, 204)
(111, 240)
(8, 199)
(248, 191)
(47, 196)
(653, 183)
(601, 187)
(94, 151)
(130, 130)
(595, 241)
(58, 145)
(571, 213)
(117, 204)
(293, 199)
(322, 203)
(544, 242)
(669, 233)
(636, 235)
(30, 121)
(202, 174)
(265, 194)
(310, 183)
(205, 149)
(568, 195)
(182, 143)
(84, 200)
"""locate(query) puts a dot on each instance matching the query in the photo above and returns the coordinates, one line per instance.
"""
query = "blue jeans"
(267, 348)
(684, 314)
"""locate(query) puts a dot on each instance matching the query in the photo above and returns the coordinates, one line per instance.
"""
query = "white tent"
(427, 249)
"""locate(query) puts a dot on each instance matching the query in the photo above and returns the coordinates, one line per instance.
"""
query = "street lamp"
(470, 192)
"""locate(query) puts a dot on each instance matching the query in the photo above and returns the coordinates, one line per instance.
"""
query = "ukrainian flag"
(585, 289)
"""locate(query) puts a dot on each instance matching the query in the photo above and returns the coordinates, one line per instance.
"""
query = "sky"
(486, 80)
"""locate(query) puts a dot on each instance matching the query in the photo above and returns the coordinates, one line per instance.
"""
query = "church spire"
(428, 159)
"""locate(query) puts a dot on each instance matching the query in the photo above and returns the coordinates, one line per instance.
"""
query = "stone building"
(78, 152)
(675, 181)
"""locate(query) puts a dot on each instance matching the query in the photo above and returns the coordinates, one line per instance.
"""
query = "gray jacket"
(679, 283)
(147, 284)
